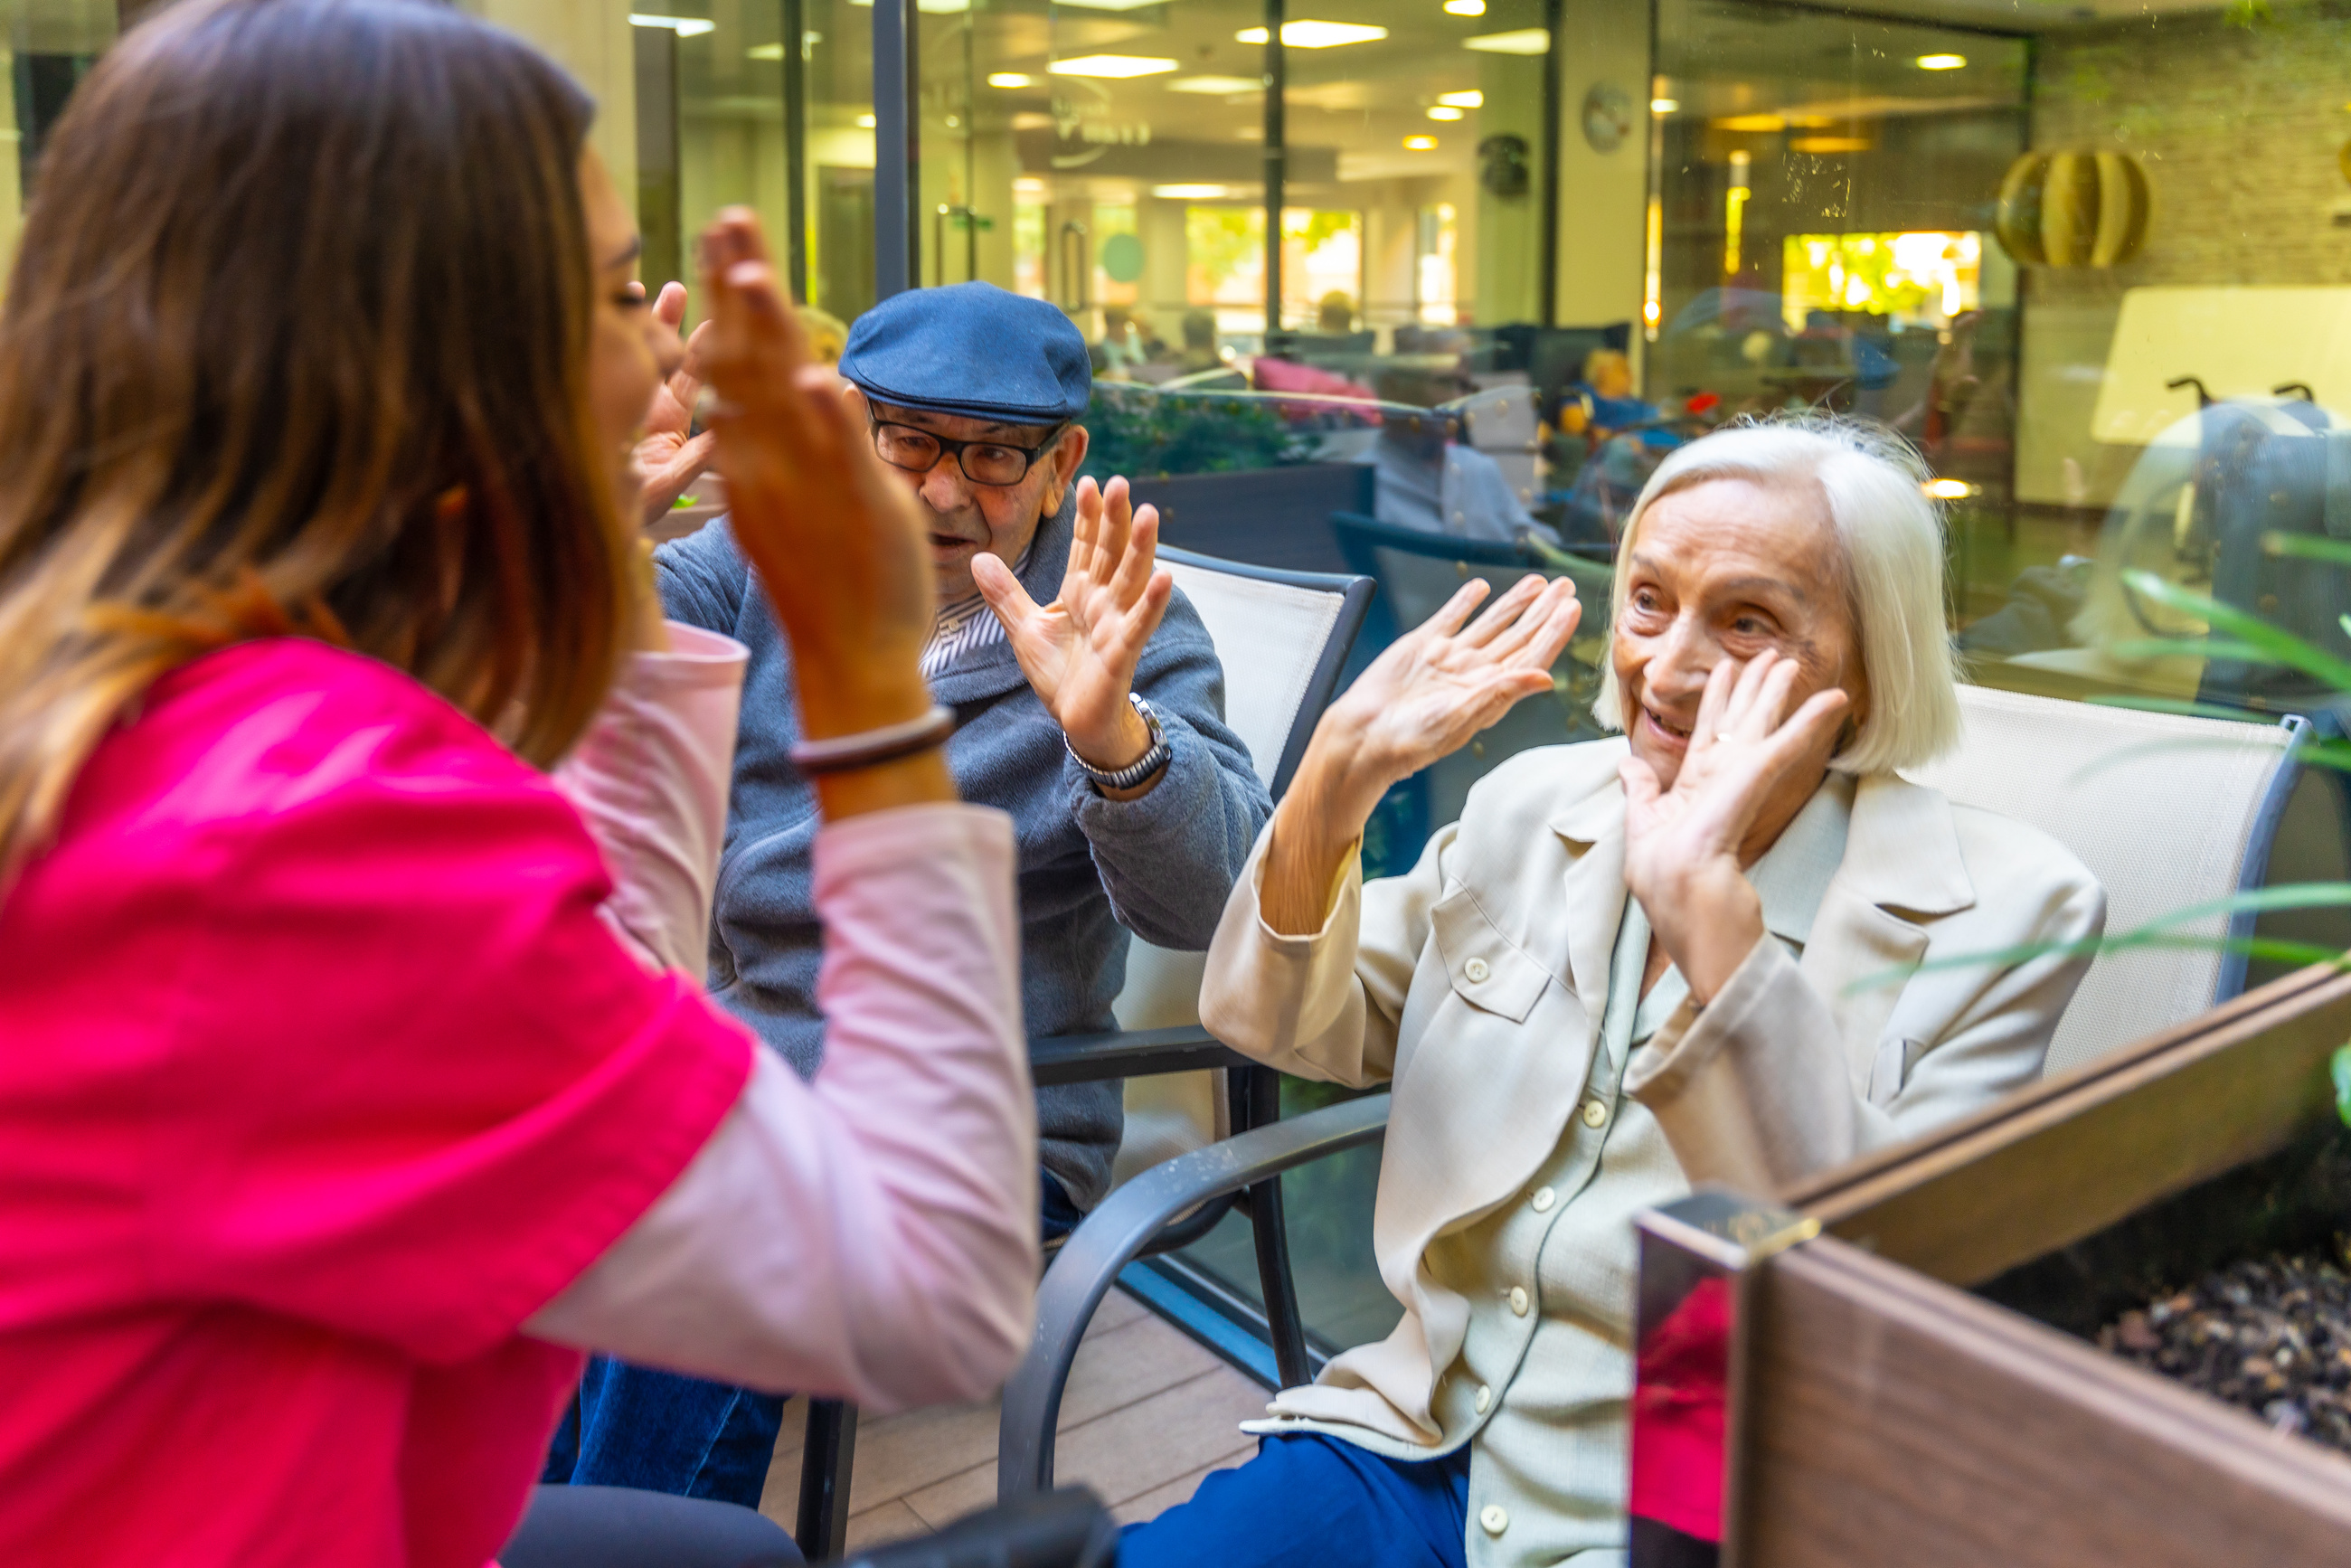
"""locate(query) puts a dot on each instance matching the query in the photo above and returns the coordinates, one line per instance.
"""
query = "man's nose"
(943, 487)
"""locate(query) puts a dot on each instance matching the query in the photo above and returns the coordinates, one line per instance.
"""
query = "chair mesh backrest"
(1270, 636)
(2160, 808)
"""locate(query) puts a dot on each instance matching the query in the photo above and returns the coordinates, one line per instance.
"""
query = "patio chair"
(1283, 638)
(2167, 811)
(2079, 772)
(616, 1527)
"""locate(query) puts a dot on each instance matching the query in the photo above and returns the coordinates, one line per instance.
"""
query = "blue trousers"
(663, 1431)
(1307, 1500)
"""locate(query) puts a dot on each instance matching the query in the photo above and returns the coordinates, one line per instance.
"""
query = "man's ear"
(1068, 454)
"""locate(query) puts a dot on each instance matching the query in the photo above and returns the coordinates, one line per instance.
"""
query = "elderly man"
(1735, 944)
(1089, 705)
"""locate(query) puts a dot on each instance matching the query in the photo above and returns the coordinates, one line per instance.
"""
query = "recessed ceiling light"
(1419, 144)
(1446, 111)
(1189, 193)
(764, 52)
(1948, 489)
(1465, 7)
(1941, 62)
(683, 27)
(1664, 105)
(1110, 66)
(1011, 79)
(1314, 35)
(1818, 145)
(864, 122)
(1473, 98)
(1221, 85)
(1027, 186)
(1522, 41)
(1764, 123)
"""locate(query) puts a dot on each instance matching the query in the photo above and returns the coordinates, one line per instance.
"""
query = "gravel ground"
(2271, 1334)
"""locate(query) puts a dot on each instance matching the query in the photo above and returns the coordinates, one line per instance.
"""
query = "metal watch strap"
(1134, 772)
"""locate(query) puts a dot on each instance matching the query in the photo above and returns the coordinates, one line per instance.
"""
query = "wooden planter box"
(1894, 1389)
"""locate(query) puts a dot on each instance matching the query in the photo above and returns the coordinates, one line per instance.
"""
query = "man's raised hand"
(1080, 651)
(669, 459)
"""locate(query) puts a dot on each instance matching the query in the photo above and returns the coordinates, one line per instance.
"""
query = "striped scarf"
(963, 629)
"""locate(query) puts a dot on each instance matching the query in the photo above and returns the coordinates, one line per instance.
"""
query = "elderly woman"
(1708, 951)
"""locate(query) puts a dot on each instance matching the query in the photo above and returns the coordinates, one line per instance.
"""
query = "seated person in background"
(1424, 479)
(332, 1117)
(1200, 342)
(1632, 966)
(826, 335)
(1607, 388)
(1091, 706)
(1335, 313)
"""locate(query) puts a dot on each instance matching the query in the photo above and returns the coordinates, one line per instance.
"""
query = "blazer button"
(1544, 1197)
(1595, 1114)
(1474, 971)
(1519, 1300)
(1485, 1399)
(1494, 1519)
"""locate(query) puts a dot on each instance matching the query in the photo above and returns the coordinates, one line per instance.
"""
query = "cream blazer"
(1475, 984)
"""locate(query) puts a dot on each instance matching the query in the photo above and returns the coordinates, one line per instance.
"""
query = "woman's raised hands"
(836, 542)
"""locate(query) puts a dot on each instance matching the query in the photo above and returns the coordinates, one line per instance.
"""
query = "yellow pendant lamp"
(2073, 209)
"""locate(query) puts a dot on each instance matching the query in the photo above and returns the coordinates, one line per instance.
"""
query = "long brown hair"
(296, 339)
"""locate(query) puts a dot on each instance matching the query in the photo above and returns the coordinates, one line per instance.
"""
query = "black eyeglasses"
(998, 463)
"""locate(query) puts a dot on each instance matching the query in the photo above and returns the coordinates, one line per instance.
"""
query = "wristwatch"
(1142, 768)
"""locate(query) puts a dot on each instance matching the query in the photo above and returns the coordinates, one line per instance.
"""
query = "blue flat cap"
(971, 349)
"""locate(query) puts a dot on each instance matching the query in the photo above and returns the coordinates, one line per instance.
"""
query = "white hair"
(1889, 537)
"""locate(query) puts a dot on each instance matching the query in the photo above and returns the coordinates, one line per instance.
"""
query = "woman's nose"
(1683, 659)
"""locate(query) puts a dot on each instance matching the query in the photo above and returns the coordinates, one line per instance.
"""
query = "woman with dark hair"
(334, 1118)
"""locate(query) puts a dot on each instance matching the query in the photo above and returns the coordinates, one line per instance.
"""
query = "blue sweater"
(1092, 869)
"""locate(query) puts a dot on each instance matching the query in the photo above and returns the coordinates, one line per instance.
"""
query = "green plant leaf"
(2338, 1067)
(2281, 646)
(2309, 546)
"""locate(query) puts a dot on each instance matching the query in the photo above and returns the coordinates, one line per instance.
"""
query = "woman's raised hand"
(1435, 687)
(1684, 847)
(836, 542)
(1426, 697)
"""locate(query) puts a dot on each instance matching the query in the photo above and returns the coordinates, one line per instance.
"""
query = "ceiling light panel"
(1224, 86)
(1473, 98)
(683, 27)
(1522, 41)
(1315, 34)
(1113, 65)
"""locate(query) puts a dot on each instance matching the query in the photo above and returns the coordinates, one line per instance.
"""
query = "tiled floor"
(1148, 1413)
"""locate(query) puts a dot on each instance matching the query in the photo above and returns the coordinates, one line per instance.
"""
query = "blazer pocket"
(1897, 1057)
(1487, 971)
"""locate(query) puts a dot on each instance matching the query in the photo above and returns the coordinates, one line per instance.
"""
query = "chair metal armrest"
(1127, 1053)
(1116, 1234)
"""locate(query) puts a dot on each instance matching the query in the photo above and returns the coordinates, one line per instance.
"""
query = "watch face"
(1608, 116)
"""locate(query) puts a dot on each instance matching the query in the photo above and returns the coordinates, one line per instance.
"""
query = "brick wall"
(2238, 128)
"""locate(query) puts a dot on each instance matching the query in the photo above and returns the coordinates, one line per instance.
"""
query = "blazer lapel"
(1591, 895)
(1901, 859)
